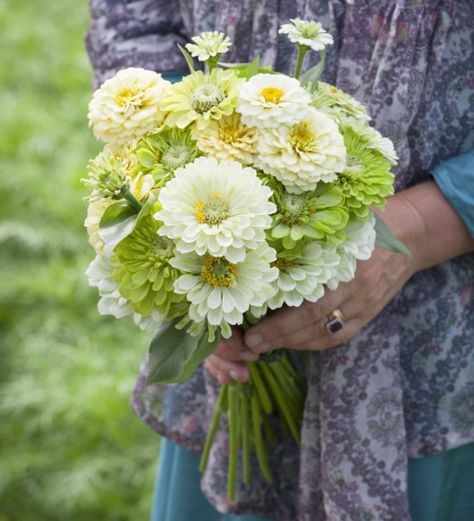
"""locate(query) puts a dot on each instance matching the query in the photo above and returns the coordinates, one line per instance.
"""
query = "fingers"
(226, 371)
(326, 341)
(234, 349)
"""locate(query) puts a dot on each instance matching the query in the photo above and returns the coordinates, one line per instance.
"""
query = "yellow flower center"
(302, 137)
(272, 94)
(212, 212)
(218, 271)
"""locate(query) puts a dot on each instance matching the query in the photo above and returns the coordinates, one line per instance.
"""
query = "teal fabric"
(178, 495)
(455, 178)
(440, 487)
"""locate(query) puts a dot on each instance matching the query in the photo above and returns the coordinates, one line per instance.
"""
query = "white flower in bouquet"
(378, 142)
(302, 155)
(208, 44)
(359, 245)
(215, 207)
(227, 138)
(95, 211)
(342, 107)
(302, 275)
(111, 302)
(127, 106)
(307, 33)
(221, 291)
(270, 100)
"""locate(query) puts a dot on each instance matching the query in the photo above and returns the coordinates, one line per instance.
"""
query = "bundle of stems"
(274, 388)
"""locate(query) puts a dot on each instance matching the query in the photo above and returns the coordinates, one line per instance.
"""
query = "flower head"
(319, 214)
(208, 45)
(270, 100)
(127, 105)
(227, 138)
(366, 179)
(220, 291)
(201, 98)
(215, 207)
(302, 155)
(340, 106)
(308, 34)
(375, 140)
(142, 271)
(161, 154)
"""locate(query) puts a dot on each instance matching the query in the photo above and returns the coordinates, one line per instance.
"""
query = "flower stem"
(233, 439)
(131, 199)
(260, 386)
(216, 416)
(257, 438)
(302, 50)
(245, 423)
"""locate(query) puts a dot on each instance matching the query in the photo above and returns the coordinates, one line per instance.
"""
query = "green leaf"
(386, 239)
(113, 235)
(116, 213)
(187, 57)
(247, 70)
(174, 354)
(311, 77)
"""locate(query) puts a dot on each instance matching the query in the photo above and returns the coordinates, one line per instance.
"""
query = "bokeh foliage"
(70, 446)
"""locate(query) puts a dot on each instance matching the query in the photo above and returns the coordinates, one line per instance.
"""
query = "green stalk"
(245, 425)
(216, 416)
(286, 381)
(267, 431)
(132, 201)
(260, 387)
(302, 50)
(282, 403)
(257, 438)
(233, 440)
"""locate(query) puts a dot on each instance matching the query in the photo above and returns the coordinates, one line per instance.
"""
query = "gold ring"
(334, 322)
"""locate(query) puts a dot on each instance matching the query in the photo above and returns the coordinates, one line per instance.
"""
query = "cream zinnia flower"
(376, 141)
(99, 274)
(308, 34)
(208, 44)
(227, 138)
(215, 207)
(127, 105)
(221, 291)
(270, 100)
(359, 245)
(303, 274)
(95, 211)
(303, 154)
(201, 98)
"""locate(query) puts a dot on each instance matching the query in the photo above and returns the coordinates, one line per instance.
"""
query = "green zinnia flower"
(161, 154)
(339, 105)
(107, 177)
(319, 214)
(367, 179)
(143, 273)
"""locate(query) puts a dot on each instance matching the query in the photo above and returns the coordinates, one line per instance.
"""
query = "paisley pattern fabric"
(403, 387)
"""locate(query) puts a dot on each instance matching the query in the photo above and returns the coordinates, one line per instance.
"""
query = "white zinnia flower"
(359, 245)
(99, 275)
(216, 207)
(220, 291)
(378, 142)
(208, 45)
(309, 34)
(303, 154)
(302, 277)
(127, 105)
(270, 100)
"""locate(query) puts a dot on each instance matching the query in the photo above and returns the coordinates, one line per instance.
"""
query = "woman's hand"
(422, 219)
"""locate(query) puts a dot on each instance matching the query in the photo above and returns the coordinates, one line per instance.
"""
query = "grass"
(71, 446)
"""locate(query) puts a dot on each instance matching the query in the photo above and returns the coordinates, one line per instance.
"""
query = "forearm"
(423, 219)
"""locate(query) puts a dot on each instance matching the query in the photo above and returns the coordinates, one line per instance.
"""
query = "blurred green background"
(70, 446)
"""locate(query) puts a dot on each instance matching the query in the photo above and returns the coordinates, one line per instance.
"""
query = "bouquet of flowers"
(219, 198)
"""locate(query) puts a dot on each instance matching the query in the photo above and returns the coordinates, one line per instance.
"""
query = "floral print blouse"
(404, 386)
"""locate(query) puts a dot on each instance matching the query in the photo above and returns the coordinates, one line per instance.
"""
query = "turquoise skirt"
(440, 487)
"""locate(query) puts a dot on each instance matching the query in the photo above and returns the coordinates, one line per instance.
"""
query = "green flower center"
(354, 165)
(162, 248)
(310, 31)
(283, 264)
(302, 137)
(218, 272)
(205, 97)
(212, 212)
(295, 209)
(176, 156)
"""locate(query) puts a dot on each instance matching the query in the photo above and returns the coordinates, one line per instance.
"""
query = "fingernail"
(262, 348)
(233, 375)
(254, 340)
(248, 356)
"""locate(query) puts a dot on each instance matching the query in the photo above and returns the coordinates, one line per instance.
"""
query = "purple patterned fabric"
(404, 387)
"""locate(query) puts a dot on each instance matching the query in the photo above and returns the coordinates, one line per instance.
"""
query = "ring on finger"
(334, 321)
